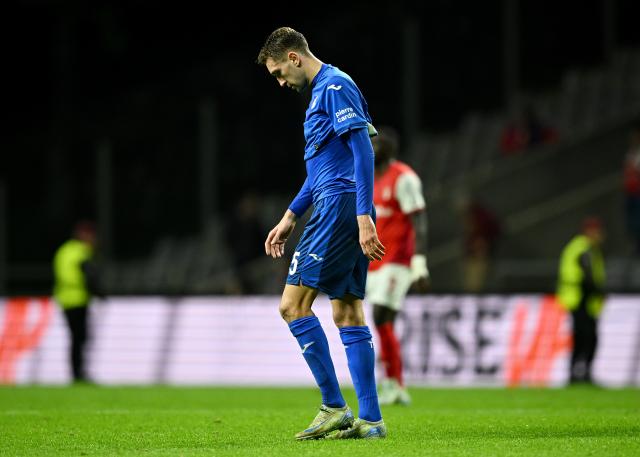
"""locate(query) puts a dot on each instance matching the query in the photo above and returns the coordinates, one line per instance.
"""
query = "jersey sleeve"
(363, 162)
(344, 105)
(409, 193)
(303, 200)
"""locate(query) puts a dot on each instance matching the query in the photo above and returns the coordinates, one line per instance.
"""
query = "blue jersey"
(339, 160)
(336, 106)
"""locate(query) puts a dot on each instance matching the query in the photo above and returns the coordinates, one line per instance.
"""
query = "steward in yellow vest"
(74, 285)
(69, 265)
(580, 291)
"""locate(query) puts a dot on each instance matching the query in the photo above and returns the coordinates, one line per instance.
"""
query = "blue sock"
(361, 358)
(315, 349)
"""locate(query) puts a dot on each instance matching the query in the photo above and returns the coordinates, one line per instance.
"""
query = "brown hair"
(279, 42)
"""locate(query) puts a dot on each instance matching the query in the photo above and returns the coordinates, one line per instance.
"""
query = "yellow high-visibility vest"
(571, 275)
(70, 288)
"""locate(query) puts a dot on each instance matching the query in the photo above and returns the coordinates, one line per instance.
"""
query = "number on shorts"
(294, 262)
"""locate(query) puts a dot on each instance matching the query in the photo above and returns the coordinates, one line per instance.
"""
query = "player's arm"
(363, 157)
(589, 285)
(419, 268)
(303, 200)
(412, 202)
(343, 96)
(92, 277)
(277, 237)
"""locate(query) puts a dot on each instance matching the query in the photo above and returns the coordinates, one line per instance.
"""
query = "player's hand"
(369, 242)
(421, 285)
(419, 273)
(277, 237)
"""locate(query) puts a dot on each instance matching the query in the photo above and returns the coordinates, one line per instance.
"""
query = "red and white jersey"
(396, 195)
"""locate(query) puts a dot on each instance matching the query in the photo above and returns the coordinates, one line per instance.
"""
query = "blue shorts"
(328, 256)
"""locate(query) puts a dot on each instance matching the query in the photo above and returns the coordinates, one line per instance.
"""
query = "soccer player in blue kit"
(339, 240)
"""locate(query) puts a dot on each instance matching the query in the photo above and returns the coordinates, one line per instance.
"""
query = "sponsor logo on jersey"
(334, 87)
(316, 257)
(344, 114)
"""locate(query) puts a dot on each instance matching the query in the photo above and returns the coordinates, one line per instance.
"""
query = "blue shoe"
(361, 429)
(327, 420)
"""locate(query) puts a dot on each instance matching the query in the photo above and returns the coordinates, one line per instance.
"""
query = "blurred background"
(155, 122)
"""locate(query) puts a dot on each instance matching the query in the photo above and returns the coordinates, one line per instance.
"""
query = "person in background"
(581, 292)
(525, 130)
(482, 232)
(75, 282)
(244, 236)
(632, 189)
(402, 228)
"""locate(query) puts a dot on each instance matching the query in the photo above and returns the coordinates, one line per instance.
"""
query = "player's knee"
(378, 319)
(296, 302)
(290, 310)
(382, 315)
(285, 310)
(348, 317)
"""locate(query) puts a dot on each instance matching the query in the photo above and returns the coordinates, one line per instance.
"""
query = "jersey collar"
(323, 68)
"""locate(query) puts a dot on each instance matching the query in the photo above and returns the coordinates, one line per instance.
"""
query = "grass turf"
(176, 421)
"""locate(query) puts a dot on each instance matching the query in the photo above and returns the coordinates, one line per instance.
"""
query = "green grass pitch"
(180, 421)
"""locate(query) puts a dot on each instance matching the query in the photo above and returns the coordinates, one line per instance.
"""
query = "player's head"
(385, 145)
(593, 228)
(85, 230)
(283, 54)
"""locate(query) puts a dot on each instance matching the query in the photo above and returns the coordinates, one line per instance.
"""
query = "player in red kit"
(402, 228)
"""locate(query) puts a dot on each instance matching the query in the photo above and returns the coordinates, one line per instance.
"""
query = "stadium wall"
(448, 340)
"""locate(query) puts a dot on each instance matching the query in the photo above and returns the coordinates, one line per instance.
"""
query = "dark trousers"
(585, 341)
(77, 322)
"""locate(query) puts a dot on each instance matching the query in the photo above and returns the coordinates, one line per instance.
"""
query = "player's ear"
(294, 58)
